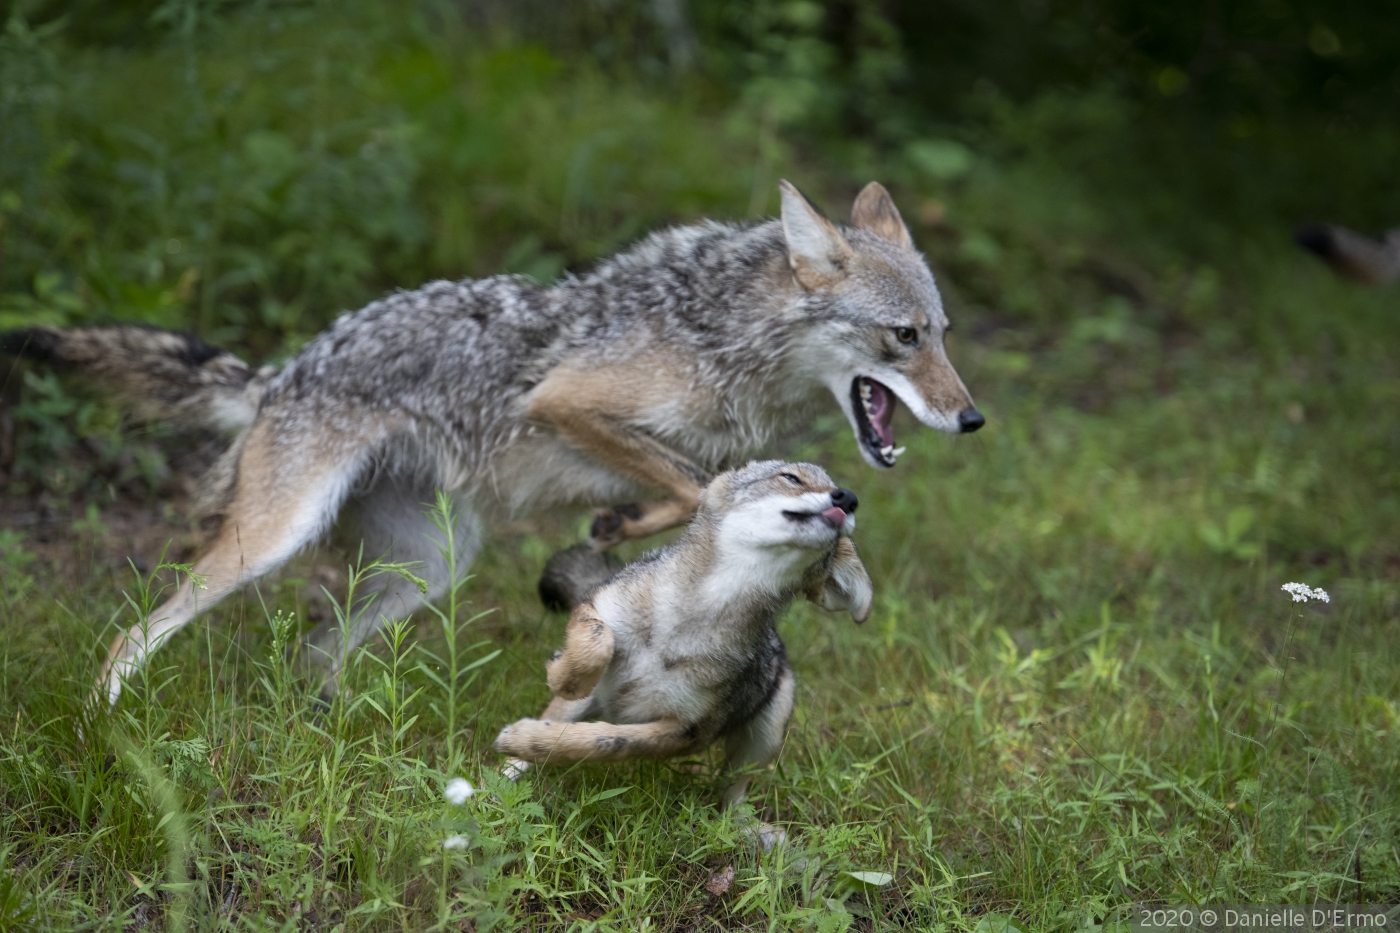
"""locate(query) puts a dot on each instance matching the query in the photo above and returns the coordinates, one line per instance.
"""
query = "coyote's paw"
(637, 520)
(610, 526)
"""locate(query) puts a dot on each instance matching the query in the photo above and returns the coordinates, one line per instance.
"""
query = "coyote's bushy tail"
(164, 375)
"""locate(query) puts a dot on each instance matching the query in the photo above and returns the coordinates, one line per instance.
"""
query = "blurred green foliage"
(251, 169)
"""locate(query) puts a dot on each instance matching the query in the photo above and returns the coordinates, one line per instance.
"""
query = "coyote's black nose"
(845, 500)
(970, 419)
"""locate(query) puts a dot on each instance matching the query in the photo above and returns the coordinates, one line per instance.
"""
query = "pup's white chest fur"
(678, 641)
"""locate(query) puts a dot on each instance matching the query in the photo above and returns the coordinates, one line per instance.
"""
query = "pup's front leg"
(588, 648)
(843, 583)
(558, 710)
(541, 740)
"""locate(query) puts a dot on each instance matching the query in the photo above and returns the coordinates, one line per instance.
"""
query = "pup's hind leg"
(753, 745)
(391, 522)
(757, 742)
(285, 496)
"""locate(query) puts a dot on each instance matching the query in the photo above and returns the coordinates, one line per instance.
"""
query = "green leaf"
(943, 159)
(993, 922)
(1212, 537)
(862, 880)
(1239, 521)
(607, 794)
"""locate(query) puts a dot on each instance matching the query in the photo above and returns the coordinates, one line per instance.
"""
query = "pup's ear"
(847, 585)
(819, 254)
(874, 210)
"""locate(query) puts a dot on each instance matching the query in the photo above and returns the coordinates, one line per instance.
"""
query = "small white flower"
(455, 842)
(457, 791)
(1302, 593)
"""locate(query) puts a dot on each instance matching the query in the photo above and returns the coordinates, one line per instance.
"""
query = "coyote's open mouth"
(874, 404)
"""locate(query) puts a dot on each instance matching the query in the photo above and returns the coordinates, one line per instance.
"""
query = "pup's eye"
(906, 334)
(791, 478)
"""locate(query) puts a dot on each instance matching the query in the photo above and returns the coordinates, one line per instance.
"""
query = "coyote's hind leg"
(391, 523)
(286, 495)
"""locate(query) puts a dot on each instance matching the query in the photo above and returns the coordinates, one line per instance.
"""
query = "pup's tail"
(1353, 255)
(571, 574)
(164, 375)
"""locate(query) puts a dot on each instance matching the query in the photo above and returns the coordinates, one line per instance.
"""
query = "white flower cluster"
(1302, 593)
(457, 791)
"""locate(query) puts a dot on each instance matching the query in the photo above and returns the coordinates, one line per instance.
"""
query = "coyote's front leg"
(634, 520)
(592, 416)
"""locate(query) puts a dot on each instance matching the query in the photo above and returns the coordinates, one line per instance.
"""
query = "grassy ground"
(1081, 686)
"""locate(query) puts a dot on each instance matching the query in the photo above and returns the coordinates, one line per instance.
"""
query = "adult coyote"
(675, 359)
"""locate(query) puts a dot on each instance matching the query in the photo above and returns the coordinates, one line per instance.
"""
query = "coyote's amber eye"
(791, 478)
(906, 334)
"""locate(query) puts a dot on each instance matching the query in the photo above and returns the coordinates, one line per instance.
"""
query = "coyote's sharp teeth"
(898, 450)
(865, 391)
(887, 450)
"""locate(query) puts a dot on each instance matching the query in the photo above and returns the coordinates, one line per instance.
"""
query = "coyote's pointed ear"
(847, 585)
(819, 254)
(874, 210)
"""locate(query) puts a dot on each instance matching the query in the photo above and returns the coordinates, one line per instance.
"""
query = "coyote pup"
(679, 649)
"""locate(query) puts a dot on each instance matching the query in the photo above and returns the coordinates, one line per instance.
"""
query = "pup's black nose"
(970, 419)
(845, 500)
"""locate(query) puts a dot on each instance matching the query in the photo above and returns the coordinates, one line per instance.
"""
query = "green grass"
(1081, 686)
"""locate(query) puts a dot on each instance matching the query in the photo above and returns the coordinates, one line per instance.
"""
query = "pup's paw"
(765, 835)
(515, 769)
(564, 680)
(510, 741)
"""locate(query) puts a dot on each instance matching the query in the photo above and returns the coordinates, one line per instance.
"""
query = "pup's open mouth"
(833, 516)
(874, 404)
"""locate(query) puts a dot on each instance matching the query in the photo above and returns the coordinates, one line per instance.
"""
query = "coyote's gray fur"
(669, 362)
(679, 649)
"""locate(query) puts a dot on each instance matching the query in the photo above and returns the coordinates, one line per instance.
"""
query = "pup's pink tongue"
(834, 517)
(881, 411)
